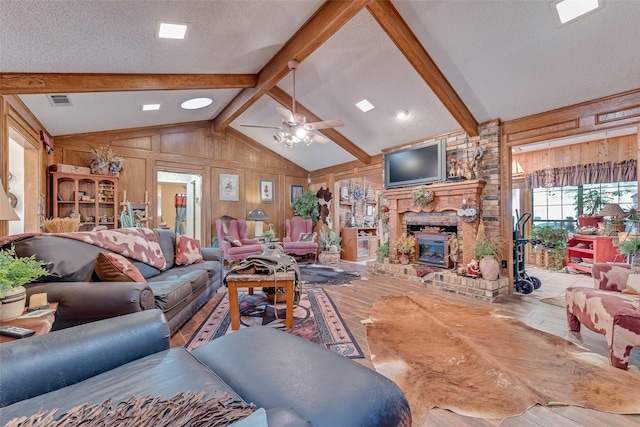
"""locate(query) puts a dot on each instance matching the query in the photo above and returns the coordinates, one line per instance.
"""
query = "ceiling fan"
(294, 128)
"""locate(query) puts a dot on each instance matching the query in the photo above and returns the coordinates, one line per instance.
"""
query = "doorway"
(24, 183)
(170, 184)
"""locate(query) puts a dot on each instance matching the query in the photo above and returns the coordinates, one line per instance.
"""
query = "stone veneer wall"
(461, 145)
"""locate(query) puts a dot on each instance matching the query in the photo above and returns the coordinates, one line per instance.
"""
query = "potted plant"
(589, 203)
(629, 247)
(405, 247)
(15, 272)
(550, 251)
(487, 251)
(383, 251)
(306, 205)
(329, 244)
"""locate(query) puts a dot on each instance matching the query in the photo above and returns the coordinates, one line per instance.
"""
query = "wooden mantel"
(447, 197)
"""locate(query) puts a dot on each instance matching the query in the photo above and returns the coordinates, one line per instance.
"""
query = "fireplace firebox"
(433, 248)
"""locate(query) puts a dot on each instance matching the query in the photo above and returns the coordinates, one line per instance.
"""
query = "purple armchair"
(299, 237)
(235, 230)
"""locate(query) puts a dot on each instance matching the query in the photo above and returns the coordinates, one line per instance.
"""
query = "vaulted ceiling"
(450, 64)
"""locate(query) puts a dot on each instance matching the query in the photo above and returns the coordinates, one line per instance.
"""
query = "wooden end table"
(279, 280)
(42, 325)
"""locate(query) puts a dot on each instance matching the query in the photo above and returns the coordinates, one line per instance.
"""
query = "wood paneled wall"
(193, 148)
(604, 150)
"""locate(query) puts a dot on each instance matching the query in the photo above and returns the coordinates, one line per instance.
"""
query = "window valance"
(592, 173)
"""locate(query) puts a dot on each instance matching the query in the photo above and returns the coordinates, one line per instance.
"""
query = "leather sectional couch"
(177, 290)
(294, 381)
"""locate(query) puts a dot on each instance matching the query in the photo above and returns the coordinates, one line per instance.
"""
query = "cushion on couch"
(112, 267)
(234, 241)
(307, 237)
(187, 250)
(633, 284)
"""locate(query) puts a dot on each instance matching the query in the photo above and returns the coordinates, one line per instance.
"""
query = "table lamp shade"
(258, 215)
(6, 211)
(612, 209)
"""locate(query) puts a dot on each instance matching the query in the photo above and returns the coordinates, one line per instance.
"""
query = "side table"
(235, 281)
(42, 325)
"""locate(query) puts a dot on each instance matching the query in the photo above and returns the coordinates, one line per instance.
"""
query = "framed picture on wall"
(296, 191)
(229, 188)
(266, 191)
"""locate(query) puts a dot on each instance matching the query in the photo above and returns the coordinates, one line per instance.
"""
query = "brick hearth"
(446, 281)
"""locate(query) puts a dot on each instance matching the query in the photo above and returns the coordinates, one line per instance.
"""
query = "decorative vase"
(13, 303)
(489, 267)
(404, 259)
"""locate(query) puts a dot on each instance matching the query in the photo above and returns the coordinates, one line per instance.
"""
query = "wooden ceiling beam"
(36, 83)
(286, 101)
(328, 19)
(398, 30)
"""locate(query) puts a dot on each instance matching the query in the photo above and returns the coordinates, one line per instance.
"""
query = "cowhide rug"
(475, 362)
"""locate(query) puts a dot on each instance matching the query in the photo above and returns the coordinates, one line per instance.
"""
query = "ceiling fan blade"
(286, 115)
(319, 138)
(324, 125)
(264, 127)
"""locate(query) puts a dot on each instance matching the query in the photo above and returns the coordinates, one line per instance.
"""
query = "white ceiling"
(505, 59)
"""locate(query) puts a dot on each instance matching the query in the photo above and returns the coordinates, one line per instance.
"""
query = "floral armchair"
(299, 237)
(232, 241)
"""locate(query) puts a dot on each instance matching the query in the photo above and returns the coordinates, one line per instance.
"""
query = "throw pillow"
(307, 237)
(633, 284)
(111, 267)
(234, 241)
(187, 250)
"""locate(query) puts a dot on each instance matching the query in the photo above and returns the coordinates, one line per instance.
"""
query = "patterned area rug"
(315, 319)
(424, 269)
(319, 274)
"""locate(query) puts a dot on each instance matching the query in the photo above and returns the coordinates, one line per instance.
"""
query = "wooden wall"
(192, 148)
(614, 150)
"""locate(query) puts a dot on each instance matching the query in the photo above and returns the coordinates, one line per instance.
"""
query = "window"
(558, 206)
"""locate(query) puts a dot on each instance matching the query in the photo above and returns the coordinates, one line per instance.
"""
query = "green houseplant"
(383, 251)
(630, 247)
(15, 272)
(329, 241)
(551, 249)
(487, 251)
(306, 205)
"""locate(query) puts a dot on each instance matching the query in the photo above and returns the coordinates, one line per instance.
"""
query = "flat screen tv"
(416, 165)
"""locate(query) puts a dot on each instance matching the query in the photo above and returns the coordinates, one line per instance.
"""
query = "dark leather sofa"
(297, 382)
(179, 291)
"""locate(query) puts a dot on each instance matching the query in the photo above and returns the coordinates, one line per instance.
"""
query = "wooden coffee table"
(279, 280)
(42, 325)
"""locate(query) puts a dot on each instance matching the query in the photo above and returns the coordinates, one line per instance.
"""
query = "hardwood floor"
(354, 303)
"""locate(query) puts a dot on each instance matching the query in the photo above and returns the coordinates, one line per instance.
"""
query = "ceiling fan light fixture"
(300, 132)
(196, 103)
(365, 105)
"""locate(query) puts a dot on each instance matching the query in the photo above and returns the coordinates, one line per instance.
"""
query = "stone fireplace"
(442, 211)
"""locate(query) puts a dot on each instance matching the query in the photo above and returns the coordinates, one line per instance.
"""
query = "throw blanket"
(140, 244)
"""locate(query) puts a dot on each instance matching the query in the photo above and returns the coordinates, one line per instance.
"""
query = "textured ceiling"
(505, 59)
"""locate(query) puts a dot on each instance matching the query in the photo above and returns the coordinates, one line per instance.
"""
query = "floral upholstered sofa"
(611, 308)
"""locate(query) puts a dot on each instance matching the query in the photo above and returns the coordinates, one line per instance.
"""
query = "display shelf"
(359, 243)
(589, 249)
(92, 198)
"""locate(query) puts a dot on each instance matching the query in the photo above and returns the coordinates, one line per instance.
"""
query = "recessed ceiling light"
(195, 103)
(402, 115)
(172, 30)
(150, 107)
(365, 105)
(569, 10)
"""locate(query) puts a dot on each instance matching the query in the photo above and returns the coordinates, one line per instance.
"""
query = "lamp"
(257, 215)
(613, 210)
(6, 211)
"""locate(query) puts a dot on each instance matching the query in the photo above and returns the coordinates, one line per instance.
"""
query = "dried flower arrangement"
(61, 225)
(405, 244)
(104, 161)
